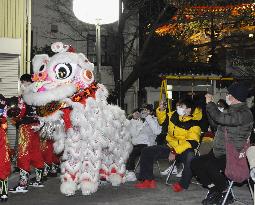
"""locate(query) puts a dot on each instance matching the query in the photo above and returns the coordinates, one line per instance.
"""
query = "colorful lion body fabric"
(91, 134)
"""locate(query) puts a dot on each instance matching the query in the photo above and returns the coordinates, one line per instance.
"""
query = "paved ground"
(126, 194)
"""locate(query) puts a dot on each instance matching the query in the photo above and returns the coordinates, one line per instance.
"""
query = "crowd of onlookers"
(174, 134)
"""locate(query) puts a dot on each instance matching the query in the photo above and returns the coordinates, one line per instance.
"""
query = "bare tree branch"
(133, 76)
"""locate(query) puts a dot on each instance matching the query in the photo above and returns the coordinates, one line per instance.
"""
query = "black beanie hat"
(239, 91)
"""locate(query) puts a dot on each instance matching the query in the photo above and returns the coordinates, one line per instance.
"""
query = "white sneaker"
(168, 170)
(19, 189)
(130, 176)
(179, 171)
(36, 184)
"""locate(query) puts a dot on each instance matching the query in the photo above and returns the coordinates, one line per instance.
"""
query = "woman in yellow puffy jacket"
(183, 130)
(182, 138)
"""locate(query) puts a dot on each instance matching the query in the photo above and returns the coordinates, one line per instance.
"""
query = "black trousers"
(161, 139)
(136, 152)
(210, 170)
(153, 153)
(186, 158)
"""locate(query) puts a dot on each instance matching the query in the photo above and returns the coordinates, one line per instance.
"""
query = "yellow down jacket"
(182, 130)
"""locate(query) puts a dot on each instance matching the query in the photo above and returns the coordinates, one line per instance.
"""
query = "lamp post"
(120, 84)
(97, 12)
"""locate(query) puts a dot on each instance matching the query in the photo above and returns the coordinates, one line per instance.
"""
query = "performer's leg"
(24, 144)
(70, 167)
(47, 157)
(120, 154)
(118, 168)
(23, 159)
(5, 166)
(89, 179)
(3, 190)
(69, 177)
(22, 186)
(36, 159)
(54, 169)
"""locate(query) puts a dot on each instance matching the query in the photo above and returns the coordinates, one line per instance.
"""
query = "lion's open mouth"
(44, 86)
(39, 94)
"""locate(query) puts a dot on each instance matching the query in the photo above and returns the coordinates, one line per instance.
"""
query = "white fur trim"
(68, 188)
(102, 93)
(88, 187)
(56, 94)
(38, 61)
(54, 117)
(72, 166)
(115, 179)
(58, 146)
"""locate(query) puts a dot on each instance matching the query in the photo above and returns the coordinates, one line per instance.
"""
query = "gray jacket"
(238, 121)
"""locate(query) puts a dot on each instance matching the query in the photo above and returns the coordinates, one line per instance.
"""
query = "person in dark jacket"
(222, 106)
(238, 121)
(251, 105)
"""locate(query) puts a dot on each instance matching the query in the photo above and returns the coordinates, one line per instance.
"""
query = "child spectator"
(144, 129)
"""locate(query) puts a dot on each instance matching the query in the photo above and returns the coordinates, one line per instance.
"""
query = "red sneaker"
(176, 187)
(153, 184)
(146, 184)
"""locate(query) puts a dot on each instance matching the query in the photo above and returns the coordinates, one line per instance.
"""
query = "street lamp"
(97, 12)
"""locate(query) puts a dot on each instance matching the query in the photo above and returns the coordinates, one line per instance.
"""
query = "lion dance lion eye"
(88, 75)
(63, 71)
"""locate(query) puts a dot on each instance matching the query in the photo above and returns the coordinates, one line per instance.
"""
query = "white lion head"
(58, 77)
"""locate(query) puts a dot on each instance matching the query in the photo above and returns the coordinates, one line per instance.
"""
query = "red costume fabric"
(5, 164)
(29, 152)
(48, 154)
(55, 159)
(29, 148)
(66, 118)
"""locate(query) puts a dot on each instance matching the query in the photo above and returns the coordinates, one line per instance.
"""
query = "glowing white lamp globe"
(96, 11)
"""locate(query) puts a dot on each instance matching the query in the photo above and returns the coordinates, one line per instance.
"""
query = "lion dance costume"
(5, 164)
(73, 110)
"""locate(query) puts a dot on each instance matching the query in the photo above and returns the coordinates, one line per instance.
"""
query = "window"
(91, 49)
(54, 28)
